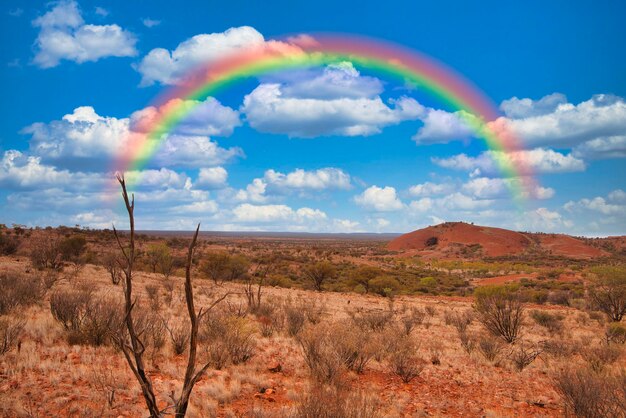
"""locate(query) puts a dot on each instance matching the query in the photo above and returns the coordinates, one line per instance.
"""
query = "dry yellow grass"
(48, 377)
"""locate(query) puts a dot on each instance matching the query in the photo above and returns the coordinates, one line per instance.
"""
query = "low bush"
(373, 320)
(321, 356)
(552, 322)
(500, 310)
(328, 401)
(404, 360)
(490, 348)
(18, 290)
(355, 347)
(601, 355)
(179, 336)
(8, 244)
(46, 253)
(523, 355)
(86, 319)
(411, 318)
(227, 339)
(587, 394)
(11, 330)
(615, 333)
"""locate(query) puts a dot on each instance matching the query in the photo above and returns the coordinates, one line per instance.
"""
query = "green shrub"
(500, 310)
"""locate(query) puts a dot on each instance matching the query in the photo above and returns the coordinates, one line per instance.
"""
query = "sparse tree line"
(225, 328)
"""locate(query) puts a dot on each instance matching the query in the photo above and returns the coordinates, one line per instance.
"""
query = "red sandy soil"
(567, 246)
(454, 237)
(512, 278)
(494, 241)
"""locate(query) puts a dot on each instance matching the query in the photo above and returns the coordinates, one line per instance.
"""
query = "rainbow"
(407, 66)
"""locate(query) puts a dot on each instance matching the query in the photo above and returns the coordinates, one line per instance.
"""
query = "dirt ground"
(47, 377)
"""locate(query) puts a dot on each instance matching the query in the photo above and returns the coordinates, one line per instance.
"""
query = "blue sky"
(73, 74)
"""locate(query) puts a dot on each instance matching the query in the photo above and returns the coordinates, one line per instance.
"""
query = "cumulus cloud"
(617, 195)
(274, 183)
(212, 178)
(85, 140)
(486, 188)
(542, 219)
(167, 67)
(63, 35)
(606, 206)
(150, 23)
(273, 213)
(515, 108)
(551, 121)
(442, 127)
(538, 160)
(334, 81)
(379, 199)
(299, 179)
(430, 189)
(602, 148)
(19, 171)
(267, 110)
(254, 192)
(206, 118)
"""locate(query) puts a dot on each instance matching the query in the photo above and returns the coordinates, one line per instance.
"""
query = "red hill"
(459, 239)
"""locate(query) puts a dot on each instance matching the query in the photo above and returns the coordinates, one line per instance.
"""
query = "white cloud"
(267, 110)
(617, 195)
(85, 140)
(442, 127)
(63, 35)
(101, 11)
(486, 188)
(167, 67)
(193, 151)
(206, 118)
(541, 219)
(553, 122)
(22, 172)
(515, 108)
(212, 178)
(203, 208)
(158, 179)
(150, 23)
(380, 199)
(601, 148)
(596, 204)
(345, 226)
(254, 192)
(430, 189)
(538, 160)
(273, 213)
(299, 179)
(334, 81)
(421, 205)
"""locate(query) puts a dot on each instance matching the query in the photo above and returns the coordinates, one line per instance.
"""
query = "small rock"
(275, 367)
(269, 391)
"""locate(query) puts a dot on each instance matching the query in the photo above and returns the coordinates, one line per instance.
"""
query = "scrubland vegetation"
(94, 323)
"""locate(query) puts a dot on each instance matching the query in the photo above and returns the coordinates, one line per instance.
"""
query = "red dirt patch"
(493, 242)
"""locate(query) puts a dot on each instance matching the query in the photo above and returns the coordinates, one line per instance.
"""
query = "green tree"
(608, 291)
(319, 273)
(221, 266)
(72, 248)
(500, 310)
(364, 275)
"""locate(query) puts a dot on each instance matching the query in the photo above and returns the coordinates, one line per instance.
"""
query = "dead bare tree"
(191, 375)
(134, 348)
(253, 296)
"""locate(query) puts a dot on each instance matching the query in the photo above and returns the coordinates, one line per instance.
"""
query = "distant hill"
(463, 240)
